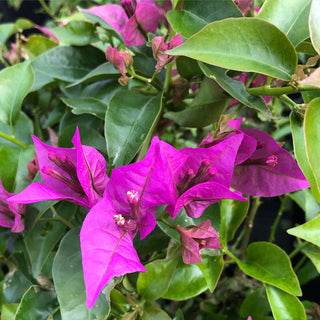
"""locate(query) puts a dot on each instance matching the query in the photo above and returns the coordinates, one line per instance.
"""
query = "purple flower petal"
(107, 251)
(113, 14)
(270, 171)
(147, 16)
(199, 197)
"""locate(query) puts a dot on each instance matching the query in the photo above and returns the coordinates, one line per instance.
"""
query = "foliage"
(137, 142)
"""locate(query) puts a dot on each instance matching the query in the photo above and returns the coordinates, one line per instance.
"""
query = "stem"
(47, 9)
(276, 221)
(248, 226)
(178, 4)
(300, 263)
(12, 139)
(267, 91)
(144, 79)
(65, 222)
(290, 103)
(299, 247)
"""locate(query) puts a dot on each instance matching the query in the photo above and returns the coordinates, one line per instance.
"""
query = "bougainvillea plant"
(140, 141)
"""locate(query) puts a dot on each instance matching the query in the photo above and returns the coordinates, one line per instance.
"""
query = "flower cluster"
(248, 160)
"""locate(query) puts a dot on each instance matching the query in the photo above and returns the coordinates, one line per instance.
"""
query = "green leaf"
(154, 313)
(6, 30)
(300, 150)
(8, 166)
(188, 67)
(306, 47)
(270, 264)
(37, 45)
(194, 15)
(206, 108)
(313, 253)
(36, 304)
(187, 282)
(255, 305)
(102, 72)
(314, 24)
(89, 105)
(236, 89)
(211, 268)
(290, 16)
(312, 146)
(78, 33)
(68, 63)
(129, 118)
(251, 45)
(69, 283)
(42, 238)
(284, 306)
(15, 83)
(307, 203)
(155, 282)
(232, 214)
(308, 231)
(8, 311)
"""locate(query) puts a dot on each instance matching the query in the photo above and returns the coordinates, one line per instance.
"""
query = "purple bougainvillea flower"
(129, 203)
(121, 60)
(270, 171)
(77, 175)
(10, 213)
(133, 19)
(48, 32)
(159, 48)
(243, 5)
(205, 178)
(195, 238)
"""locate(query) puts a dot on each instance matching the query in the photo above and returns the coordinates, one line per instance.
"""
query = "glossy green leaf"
(290, 16)
(154, 313)
(284, 306)
(8, 166)
(6, 30)
(8, 311)
(89, 105)
(232, 214)
(42, 238)
(314, 24)
(129, 118)
(188, 67)
(38, 44)
(69, 283)
(68, 63)
(313, 253)
(15, 83)
(312, 145)
(307, 203)
(270, 264)
(78, 33)
(252, 45)
(102, 72)
(308, 231)
(36, 304)
(299, 142)
(155, 282)
(255, 305)
(236, 89)
(187, 282)
(194, 15)
(211, 268)
(306, 47)
(206, 108)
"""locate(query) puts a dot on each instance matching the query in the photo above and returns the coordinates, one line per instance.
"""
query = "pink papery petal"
(262, 179)
(107, 251)
(148, 16)
(113, 14)
(91, 170)
(36, 192)
(48, 32)
(199, 197)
